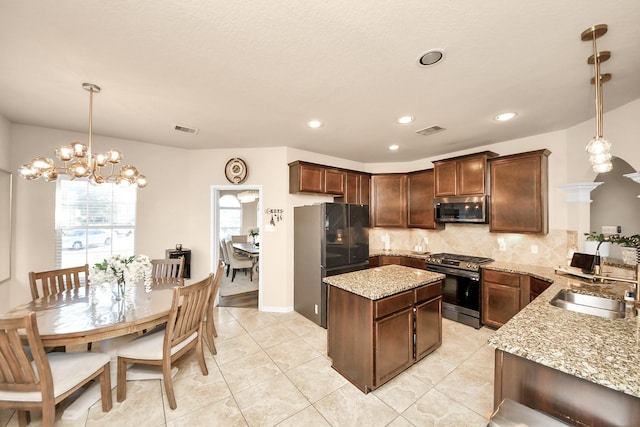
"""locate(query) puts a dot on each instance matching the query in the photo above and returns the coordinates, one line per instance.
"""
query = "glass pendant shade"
(598, 145)
(64, 153)
(602, 167)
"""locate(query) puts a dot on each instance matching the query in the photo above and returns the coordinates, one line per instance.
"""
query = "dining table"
(94, 314)
(249, 249)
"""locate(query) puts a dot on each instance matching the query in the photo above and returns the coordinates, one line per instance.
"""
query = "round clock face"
(236, 171)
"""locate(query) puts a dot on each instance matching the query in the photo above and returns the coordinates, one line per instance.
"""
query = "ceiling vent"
(186, 129)
(430, 130)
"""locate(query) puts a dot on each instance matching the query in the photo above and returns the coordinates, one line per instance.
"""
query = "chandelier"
(598, 148)
(79, 161)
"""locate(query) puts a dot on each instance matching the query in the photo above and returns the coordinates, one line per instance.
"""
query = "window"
(93, 222)
(230, 216)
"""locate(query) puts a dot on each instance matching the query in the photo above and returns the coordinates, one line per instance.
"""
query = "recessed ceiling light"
(314, 124)
(393, 147)
(431, 57)
(405, 119)
(505, 116)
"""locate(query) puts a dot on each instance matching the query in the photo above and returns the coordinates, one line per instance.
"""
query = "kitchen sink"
(589, 304)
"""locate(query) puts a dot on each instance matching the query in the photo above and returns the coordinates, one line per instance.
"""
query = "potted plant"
(629, 246)
(597, 244)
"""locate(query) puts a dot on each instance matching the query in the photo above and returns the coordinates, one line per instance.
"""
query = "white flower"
(129, 270)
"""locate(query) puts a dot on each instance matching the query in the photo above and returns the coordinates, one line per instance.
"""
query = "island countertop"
(603, 351)
(380, 282)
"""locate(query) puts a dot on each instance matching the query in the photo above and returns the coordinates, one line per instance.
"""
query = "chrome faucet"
(635, 281)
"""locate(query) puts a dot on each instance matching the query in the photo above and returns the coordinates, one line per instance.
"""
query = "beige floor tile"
(316, 378)
(317, 340)
(481, 363)
(348, 406)
(402, 391)
(142, 407)
(270, 402)
(249, 371)
(292, 353)
(223, 412)
(400, 422)
(272, 335)
(221, 315)
(469, 389)
(302, 326)
(309, 416)
(438, 410)
(230, 329)
(235, 348)
(255, 320)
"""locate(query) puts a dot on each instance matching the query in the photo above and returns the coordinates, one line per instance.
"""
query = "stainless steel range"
(461, 296)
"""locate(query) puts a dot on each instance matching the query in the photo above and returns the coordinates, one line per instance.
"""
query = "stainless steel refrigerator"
(329, 239)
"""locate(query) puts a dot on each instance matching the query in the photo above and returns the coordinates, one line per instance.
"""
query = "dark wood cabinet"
(536, 287)
(389, 200)
(311, 178)
(462, 176)
(503, 296)
(420, 205)
(519, 193)
(380, 260)
(372, 341)
(357, 188)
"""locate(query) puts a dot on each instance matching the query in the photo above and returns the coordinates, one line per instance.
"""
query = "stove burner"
(466, 262)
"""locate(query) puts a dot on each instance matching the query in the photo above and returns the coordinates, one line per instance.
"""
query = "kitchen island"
(580, 368)
(382, 320)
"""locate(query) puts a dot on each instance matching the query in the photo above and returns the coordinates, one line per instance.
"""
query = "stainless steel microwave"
(472, 209)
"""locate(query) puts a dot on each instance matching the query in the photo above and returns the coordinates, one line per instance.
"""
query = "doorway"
(236, 213)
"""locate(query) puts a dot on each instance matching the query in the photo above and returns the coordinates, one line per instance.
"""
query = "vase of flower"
(120, 272)
(119, 290)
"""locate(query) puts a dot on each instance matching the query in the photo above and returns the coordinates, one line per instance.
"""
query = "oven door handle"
(475, 276)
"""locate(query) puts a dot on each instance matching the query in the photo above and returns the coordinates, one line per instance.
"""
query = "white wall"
(176, 206)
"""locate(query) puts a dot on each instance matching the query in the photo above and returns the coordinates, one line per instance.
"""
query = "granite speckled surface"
(399, 252)
(380, 282)
(603, 351)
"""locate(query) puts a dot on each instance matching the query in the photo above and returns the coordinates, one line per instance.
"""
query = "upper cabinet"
(316, 179)
(420, 193)
(462, 176)
(389, 200)
(519, 193)
(357, 188)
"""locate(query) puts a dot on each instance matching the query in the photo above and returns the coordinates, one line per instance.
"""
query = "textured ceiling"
(252, 73)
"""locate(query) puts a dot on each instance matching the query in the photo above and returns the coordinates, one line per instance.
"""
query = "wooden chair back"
(167, 270)
(210, 325)
(45, 283)
(187, 313)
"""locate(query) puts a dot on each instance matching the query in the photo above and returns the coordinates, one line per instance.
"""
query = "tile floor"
(271, 370)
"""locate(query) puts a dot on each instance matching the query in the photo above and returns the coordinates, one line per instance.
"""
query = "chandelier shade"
(79, 161)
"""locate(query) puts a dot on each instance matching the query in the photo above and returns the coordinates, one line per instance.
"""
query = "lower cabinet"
(380, 260)
(502, 296)
(372, 341)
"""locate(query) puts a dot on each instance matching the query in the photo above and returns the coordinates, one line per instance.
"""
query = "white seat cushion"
(149, 346)
(67, 370)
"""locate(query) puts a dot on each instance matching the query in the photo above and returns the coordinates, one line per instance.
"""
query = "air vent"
(430, 130)
(186, 129)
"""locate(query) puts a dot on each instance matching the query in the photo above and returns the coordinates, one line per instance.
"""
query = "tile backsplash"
(475, 239)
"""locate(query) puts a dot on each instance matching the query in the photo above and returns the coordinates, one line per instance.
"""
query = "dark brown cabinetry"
(519, 193)
(357, 188)
(420, 194)
(380, 260)
(389, 200)
(462, 176)
(372, 341)
(536, 287)
(316, 179)
(503, 296)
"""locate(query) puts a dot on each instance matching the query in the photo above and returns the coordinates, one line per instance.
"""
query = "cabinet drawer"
(429, 291)
(391, 304)
(414, 262)
(509, 279)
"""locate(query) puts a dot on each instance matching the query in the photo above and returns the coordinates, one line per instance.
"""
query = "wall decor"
(236, 171)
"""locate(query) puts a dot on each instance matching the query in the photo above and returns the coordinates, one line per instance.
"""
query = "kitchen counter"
(399, 252)
(380, 282)
(603, 351)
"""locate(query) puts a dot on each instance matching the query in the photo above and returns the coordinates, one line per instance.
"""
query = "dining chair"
(39, 384)
(167, 270)
(45, 283)
(225, 255)
(240, 238)
(238, 263)
(210, 326)
(163, 347)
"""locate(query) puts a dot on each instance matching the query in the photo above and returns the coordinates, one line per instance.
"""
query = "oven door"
(460, 295)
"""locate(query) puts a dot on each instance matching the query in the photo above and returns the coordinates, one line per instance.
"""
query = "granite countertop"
(603, 351)
(399, 252)
(380, 282)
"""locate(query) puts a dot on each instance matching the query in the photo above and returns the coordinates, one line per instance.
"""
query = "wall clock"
(236, 171)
